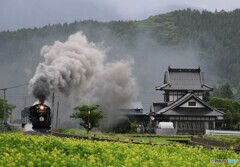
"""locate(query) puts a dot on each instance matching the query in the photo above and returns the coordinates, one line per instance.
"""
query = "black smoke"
(41, 89)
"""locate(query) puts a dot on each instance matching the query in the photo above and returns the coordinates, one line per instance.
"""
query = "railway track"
(134, 142)
(93, 138)
(211, 147)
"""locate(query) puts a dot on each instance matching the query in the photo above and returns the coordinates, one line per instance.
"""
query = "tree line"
(213, 35)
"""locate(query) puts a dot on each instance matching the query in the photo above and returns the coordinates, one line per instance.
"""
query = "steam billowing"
(41, 89)
(76, 68)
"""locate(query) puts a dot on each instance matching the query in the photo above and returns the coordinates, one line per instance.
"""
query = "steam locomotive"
(39, 114)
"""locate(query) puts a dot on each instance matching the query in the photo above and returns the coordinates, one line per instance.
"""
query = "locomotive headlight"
(41, 108)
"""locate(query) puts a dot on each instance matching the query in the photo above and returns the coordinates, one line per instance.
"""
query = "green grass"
(144, 138)
(232, 139)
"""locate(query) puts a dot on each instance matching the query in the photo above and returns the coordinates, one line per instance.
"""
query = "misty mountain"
(184, 38)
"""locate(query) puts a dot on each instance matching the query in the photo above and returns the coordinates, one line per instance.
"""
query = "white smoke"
(77, 69)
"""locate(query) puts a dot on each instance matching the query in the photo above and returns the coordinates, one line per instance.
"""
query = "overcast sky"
(15, 14)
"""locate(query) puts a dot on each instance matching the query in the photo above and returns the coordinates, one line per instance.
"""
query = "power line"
(4, 97)
(16, 86)
(12, 94)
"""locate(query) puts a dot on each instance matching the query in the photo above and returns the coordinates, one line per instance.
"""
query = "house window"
(192, 103)
(167, 98)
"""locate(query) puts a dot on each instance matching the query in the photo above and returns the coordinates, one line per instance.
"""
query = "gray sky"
(15, 14)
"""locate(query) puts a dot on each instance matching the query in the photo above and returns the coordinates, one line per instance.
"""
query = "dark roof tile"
(184, 79)
(175, 109)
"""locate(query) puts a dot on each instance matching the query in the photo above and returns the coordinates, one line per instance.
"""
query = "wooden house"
(184, 104)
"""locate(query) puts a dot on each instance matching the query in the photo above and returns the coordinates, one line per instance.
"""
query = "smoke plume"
(41, 89)
(77, 69)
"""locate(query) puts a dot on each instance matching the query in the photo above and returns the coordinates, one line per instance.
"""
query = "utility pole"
(151, 118)
(52, 115)
(89, 124)
(59, 122)
(57, 115)
(4, 110)
(4, 97)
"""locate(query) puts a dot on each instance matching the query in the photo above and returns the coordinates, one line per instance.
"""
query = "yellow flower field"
(18, 149)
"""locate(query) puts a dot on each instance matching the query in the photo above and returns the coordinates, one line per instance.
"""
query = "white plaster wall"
(198, 105)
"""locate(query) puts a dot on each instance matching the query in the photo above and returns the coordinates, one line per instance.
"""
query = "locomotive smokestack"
(40, 89)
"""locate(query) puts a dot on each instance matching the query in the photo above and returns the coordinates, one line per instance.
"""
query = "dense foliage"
(89, 116)
(223, 91)
(217, 33)
(5, 108)
(231, 109)
(17, 149)
(214, 36)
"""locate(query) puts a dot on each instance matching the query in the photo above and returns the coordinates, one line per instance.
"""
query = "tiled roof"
(184, 79)
(193, 112)
(175, 109)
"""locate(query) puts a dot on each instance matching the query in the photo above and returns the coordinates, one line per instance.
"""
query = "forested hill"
(213, 36)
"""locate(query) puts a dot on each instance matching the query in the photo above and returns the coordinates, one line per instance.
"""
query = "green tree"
(236, 118)
(223, 91)
(5, 108)
(231, 108)
(90, 116)
(206, 96)
(228, 119)
(237, 95)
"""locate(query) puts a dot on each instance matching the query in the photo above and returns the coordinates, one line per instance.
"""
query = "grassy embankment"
(144, 138)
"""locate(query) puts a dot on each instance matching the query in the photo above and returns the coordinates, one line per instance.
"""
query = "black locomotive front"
(40, 117)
